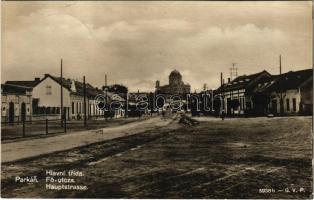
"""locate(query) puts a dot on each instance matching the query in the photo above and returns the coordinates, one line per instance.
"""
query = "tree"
(117, 89)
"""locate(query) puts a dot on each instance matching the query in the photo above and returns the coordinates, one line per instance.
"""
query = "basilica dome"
(175, 73)
(176, 85)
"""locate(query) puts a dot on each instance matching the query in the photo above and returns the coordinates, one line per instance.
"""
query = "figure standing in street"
(222, 115)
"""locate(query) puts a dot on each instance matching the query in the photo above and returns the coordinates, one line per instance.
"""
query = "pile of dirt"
(188, 120)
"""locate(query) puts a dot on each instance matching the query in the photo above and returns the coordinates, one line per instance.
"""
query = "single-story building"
(237, 94)
(290, 93)
(16, 103)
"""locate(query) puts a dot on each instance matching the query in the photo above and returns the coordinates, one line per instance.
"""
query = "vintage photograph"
(157, 99)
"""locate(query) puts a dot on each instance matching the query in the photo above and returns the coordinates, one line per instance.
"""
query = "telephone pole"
(280, 85)
(84, 103)
(61, 91)
(233, 71)
(280, 64)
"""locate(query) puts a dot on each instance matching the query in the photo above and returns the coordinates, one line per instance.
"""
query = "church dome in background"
(175, 73)
(175, 86)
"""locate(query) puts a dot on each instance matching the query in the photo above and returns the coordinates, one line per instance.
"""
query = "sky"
(137, 43)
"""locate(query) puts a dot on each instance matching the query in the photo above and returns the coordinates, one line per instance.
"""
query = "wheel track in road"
(8, 183)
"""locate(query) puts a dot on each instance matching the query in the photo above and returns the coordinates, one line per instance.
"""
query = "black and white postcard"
(157, 99)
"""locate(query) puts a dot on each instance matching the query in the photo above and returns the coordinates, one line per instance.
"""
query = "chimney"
(157, 84)
(228, 80)
(221, 79)
(106, 80)
(37, 79)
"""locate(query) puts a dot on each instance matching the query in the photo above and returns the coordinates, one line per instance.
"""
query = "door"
(11, 112)
(23, 111)
(228, 106)
(274, 106)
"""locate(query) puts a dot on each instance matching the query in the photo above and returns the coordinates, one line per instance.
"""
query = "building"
(47, 98)
(290, 93)
(260, 94)
(238, 94)
(16, 102)
(117, 104)
(176, 85)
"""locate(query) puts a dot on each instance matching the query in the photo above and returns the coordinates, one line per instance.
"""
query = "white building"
(16, 102)
(294, 90)
(47, 99)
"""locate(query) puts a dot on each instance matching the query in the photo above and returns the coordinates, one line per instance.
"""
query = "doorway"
(11, 112)
(274, 107)
(23, 111)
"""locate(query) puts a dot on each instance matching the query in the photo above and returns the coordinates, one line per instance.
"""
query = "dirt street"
(235, 158)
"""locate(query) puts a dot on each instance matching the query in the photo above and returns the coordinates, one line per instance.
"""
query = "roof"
(67, 83)
(175, 72)
(14, 89)
(289, 80)
(245, 81)
(24, 83)
(79, 86)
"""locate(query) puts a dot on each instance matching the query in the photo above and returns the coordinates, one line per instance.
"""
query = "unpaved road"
(215, 159)
(25, 149)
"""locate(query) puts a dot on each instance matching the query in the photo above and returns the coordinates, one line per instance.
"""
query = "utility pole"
(84, 103)
(280, 85)
(233, 71)
(106, 105)
(139, 111)
(212, 100)
(126, 105)
(61, 87)
(280, 64)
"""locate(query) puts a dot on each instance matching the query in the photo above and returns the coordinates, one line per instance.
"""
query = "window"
(288, 104)
(48, 90)
(76, 107)
(294, 104)
(72, 108)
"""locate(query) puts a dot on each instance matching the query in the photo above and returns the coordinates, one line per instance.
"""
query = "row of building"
(257, 94)
(289, 93)
(41, 99)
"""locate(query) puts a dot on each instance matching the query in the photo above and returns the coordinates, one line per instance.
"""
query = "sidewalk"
(30, 148)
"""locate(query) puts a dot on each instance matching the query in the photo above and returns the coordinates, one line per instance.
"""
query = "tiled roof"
(79, 86)
(90, 90)
(243, 82)
(23, 83)
(14, 89)
(290, 80)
